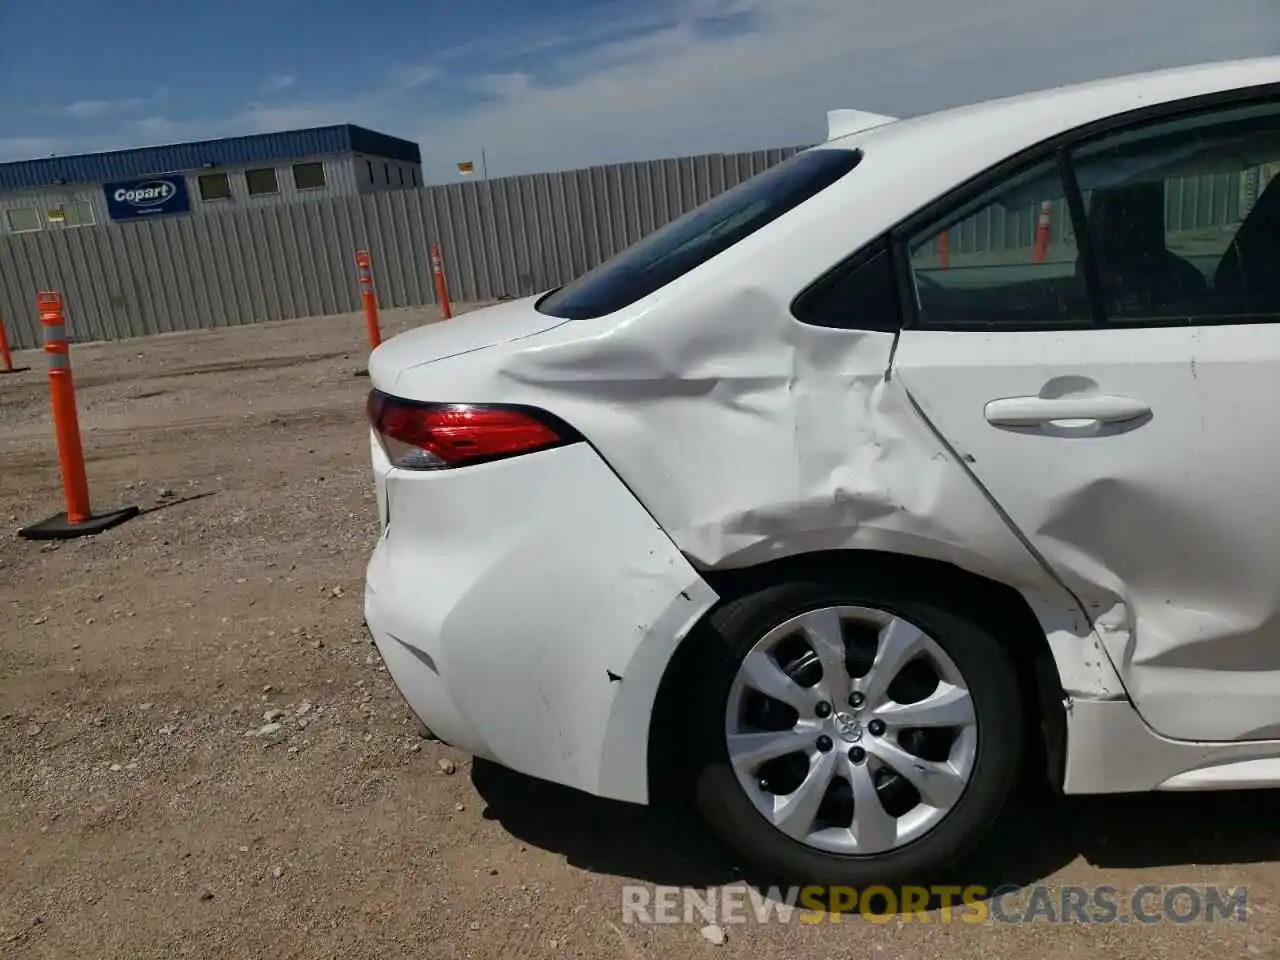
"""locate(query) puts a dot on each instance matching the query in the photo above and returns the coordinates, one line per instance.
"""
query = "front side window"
(1007, 260)
(694, 238)
(1184, 217)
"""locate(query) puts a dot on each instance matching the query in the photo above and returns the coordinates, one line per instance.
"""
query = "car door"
(1112, 380)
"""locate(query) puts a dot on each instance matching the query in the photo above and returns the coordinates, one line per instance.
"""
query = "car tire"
(994, 753)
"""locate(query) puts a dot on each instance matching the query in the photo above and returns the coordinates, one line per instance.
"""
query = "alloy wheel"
(851, 730)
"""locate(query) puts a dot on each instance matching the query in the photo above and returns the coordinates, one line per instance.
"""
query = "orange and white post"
(364, 269)
(1042, 232)
(944, 249)
(79, 519)
(442, 288)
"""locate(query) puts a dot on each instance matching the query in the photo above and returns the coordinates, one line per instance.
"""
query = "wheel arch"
(996, 606)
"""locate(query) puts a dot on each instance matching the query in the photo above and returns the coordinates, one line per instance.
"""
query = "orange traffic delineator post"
(944, 250)
(364, 269)
(6, 355)
(1042, 233)
(79, 519)
(442, 288)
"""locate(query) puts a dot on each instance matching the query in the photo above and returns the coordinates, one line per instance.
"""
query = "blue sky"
(563, 83)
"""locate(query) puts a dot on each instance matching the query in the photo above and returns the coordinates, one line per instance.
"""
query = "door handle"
(1035, 411)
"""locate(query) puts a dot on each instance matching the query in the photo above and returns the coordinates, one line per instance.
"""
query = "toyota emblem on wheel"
(849, 726)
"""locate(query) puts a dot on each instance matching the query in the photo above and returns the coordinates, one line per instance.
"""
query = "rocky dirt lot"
(201, 755)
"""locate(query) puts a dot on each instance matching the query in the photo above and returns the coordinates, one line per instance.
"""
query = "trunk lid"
(470, 332)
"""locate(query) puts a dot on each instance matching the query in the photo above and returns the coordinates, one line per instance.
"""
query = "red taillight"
(419, 436)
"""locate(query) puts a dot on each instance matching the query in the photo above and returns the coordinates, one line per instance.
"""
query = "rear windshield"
(699, 235)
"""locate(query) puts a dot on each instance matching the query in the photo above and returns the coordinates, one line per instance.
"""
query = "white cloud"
(682, 90)
(505, 86)
(96, 109)
(253, 118)
(602, 22)
(675, 77)
(264, 118)
(278, 83)
(410, 76)
(27, 148)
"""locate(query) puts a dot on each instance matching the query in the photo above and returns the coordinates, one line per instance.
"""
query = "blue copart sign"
(155, 196)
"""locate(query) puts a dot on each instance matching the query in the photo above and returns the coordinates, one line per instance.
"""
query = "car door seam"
(995, 505)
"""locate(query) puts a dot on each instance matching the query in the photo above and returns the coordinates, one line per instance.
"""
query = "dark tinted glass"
(699, 235)
(860, 296)
(1006, 261)
(1184, 215)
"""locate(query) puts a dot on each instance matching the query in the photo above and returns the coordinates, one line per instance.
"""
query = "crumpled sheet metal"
(760, 440)
(749, 436)
(746, 448)
(746, 434)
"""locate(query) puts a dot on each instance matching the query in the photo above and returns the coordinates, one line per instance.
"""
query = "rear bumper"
(527, 609)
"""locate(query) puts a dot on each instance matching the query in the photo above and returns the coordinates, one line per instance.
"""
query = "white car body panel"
(534, 631)
(1166, 528)
(748, 436)
(842, 123)
(1111, 750)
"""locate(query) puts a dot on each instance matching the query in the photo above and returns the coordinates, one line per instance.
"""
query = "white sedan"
(939, 454)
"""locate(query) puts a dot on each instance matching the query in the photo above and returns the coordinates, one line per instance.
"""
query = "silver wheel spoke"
(899, 642)
(939, 784)
(947, 706)
(760, 672)
(747, 751)
(874, 829)
(822, 630)
(795, 813)
(839, 716)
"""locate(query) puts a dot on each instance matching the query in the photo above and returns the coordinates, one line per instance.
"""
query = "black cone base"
(57, 527)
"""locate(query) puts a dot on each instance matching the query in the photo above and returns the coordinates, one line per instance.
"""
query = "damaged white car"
(940, 452)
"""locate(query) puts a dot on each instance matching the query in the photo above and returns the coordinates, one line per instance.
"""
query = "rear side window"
(699, 235)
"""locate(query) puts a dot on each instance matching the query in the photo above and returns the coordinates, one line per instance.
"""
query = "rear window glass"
(698, 235)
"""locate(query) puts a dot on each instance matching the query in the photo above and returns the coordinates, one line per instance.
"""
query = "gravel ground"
(201, 755)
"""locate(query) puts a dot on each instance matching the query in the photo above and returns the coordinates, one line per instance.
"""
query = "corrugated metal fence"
(514, 236)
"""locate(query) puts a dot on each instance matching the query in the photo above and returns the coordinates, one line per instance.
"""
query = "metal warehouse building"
(62, 193)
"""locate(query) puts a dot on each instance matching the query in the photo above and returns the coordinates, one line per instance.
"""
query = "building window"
(261, 181)
(78, 213)
(386, 173)
(401, 169)
(413, 171)
(308, 176)
(369, 167)
(215, 186)
(23, 219)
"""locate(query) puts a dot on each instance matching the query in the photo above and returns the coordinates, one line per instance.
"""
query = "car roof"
(909, 164)
(1001, 127)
